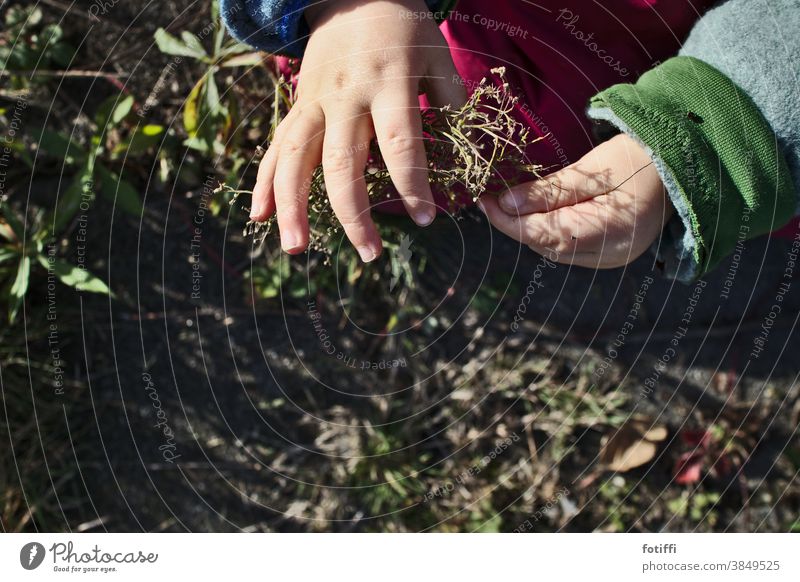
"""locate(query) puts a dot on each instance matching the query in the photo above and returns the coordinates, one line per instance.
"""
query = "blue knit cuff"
(278, 26)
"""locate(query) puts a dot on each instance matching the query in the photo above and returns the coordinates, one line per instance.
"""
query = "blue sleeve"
(278, 26)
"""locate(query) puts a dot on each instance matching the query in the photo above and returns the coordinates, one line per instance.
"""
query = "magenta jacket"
(558, 54)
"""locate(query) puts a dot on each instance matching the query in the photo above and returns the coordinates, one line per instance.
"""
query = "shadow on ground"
(209, 415)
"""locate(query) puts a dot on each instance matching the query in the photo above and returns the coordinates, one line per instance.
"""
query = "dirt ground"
(264, 420)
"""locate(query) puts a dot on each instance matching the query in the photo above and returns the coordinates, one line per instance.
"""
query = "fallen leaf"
(632, 445)
(656, 434)
(688, 468)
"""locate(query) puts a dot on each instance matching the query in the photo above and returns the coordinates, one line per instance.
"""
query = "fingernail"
(367, 253)
(512, 201)
(424, 217)
(290, 241)
(257, 209)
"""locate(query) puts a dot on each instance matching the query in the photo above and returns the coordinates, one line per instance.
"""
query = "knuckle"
(337, 160)
(380, 63)
(561, 247)
(293, 147)
(536, 237)
(358, 228)
(401, 146)
(340, 79)
(411, 199)
(557, 191)
(280, 131)
(266, 165)
(351, 223)
(288, 194)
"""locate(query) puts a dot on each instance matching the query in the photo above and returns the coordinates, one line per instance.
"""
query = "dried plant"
(474, 149)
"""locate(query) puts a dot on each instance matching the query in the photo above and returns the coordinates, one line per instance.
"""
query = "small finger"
(344, 157)
(263, 204)
(300, 153)
(398, 127)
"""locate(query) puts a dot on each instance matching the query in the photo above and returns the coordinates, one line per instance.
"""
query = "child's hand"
(601, 212)
(365, 64)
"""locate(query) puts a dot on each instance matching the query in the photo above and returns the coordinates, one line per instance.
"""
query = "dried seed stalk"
(473, 149)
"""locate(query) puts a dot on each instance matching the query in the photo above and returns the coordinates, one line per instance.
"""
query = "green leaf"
(60, 146)
(73, 276)
(267, 281)
(193, 42)
(19, 288)
(51, 34)
(112, 111)
(219, 29)
(191, 109)
(491, 525)
(234, 48)
(119, 191)
(198, 144)
(122, 109)
(70, 200)
(171, 45)
(19, 16)
(18, 146)
(246, 60)
(141, 140)
(212, 94)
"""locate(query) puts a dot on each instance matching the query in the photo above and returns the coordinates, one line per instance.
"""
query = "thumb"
(589, 177)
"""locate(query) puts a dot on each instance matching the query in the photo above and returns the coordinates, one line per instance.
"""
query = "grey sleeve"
(756, 44)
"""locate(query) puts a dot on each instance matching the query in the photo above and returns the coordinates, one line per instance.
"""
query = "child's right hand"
(364, 67)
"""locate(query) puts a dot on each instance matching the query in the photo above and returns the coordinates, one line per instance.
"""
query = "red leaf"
(688, 468)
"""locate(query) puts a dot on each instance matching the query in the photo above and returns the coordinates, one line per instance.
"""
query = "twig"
(77, 73)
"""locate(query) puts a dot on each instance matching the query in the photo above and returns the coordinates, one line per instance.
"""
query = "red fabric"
(556, 63)
(788, 232)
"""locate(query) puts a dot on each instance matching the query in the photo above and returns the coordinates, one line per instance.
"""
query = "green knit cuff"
(716, 154)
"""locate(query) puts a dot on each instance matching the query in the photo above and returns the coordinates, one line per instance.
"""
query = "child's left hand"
(600, 212)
